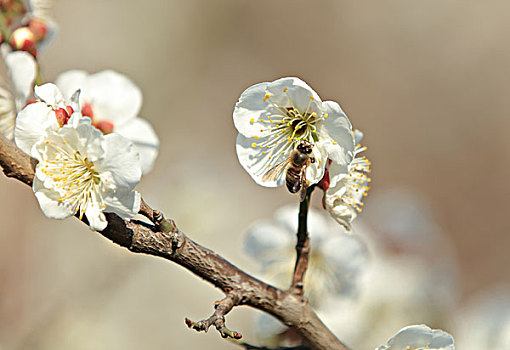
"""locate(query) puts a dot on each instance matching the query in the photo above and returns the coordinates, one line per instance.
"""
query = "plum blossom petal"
(21, 68)
(273, 118)
(51, 95)
(113, 102)
(419, 337)
(141, 133)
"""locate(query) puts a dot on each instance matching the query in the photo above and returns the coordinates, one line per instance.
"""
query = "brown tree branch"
(302, 246)
(175, 246)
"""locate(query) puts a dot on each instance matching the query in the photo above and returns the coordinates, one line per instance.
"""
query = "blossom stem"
(302, 245)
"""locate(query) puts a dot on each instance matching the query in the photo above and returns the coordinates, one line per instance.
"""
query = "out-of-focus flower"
(485, 322)
(80, 170)
(348, 185)
(336, 259)
(49, 113)
(404, 221)
(113, 103)
(394, 292)
(21, 68)
(419, 337)
(274, 117)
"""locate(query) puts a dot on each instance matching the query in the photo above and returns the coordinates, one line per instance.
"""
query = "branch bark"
(302, 246)
(140, 237)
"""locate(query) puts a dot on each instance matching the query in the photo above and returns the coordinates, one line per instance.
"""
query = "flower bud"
(23, 39)
(38, 27)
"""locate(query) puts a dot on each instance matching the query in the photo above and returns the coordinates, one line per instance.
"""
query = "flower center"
(288, 126)
(74, 176)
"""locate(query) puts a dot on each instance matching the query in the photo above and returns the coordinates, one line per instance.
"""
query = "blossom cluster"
(85, 131)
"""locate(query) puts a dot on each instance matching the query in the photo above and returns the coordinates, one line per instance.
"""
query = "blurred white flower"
(485, 322)
(394, 292)
(113, 103)
(403, 220)
(348, 186)
(80, 170)
(49, 113)
(419, 337)
(274, 117)
(21, 68)
(336, 259)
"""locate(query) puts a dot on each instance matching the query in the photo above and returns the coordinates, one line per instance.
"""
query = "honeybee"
(296, 165)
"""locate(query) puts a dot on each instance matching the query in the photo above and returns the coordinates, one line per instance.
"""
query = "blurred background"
(427, 82)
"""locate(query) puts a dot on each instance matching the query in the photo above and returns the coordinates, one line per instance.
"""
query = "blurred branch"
(302, 246)
(164, 239)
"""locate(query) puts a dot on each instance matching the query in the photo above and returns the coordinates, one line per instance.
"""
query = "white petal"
(22, 70)
(348, 256)
(113, 96)
(256, 163)
(97, 220)
(83, 137)
(125, 204)
(301, 94)
(266, 241)
(338, 129)
(315, 171)
(50, 94)
(337, 173)
(141, 133)
(122, 160)
(70, 81)
(48, 201)
(32, 123)
(251, 106)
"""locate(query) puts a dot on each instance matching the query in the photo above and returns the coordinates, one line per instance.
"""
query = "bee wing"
(275, 172)
(304, 182)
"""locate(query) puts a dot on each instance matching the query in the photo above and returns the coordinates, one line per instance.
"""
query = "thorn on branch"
(222, 307)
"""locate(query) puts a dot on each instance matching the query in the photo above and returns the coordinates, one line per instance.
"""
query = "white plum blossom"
(274, 117)
(48, 114)
(81, 171)
(419, 337)
(336, 259)
(348, 185)
(113, 103)
(21, 68)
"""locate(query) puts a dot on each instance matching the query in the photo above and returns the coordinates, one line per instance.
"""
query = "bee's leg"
(312, 160)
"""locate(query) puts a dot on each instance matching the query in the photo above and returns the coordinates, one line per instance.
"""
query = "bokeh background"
(427, 82)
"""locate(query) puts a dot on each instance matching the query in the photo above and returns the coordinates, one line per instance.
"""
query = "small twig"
(222, 307)
(302, 246)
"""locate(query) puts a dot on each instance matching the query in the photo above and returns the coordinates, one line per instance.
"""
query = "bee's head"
(305, 147)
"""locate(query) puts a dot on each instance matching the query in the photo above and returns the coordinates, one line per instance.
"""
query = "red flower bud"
(38, 27)
(23, 39)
